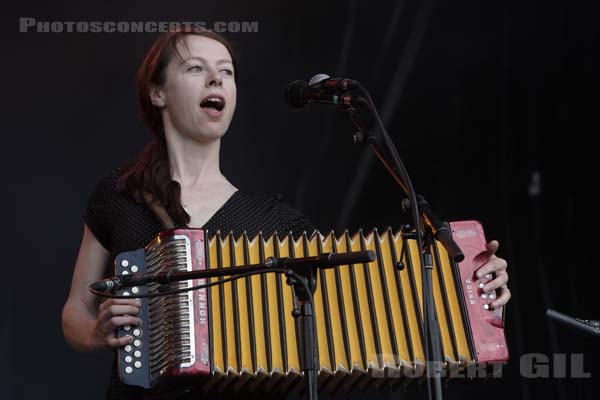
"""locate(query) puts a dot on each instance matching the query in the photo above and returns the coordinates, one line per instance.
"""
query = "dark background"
(492, 105)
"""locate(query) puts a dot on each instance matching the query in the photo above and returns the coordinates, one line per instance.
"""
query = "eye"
(195, 68)
(228, 72)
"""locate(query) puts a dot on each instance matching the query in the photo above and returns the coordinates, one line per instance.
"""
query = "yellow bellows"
(368, 316)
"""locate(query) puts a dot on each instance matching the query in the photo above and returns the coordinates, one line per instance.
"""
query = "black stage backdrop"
(492, 105)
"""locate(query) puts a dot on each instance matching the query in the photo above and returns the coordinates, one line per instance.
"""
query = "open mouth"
(215, 102)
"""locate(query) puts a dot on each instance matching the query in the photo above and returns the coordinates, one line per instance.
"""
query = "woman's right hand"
(113, 314)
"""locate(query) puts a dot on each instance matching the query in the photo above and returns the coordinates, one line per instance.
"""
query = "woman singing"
(186, 89)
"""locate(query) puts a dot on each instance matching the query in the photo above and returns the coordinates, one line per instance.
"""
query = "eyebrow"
(222, 61)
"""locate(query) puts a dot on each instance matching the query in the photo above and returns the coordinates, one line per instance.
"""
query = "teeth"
(215, 102)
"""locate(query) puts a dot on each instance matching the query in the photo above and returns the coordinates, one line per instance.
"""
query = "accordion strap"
(158, 210)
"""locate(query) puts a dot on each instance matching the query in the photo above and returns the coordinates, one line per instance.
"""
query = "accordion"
(241, 336)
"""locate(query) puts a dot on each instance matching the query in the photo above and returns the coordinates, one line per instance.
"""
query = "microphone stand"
(303, 290)
(590, 327)
(428, 227)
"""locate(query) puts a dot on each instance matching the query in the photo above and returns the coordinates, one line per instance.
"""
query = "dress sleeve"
(96, 215)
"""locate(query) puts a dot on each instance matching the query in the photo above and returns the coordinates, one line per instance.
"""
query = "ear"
(157, 96)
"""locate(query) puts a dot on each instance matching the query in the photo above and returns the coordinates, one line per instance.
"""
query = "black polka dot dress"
(121, 224)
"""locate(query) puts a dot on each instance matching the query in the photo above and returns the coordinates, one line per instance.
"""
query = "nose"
(214, 79)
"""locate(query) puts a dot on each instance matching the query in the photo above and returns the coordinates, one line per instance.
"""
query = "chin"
(209, 136)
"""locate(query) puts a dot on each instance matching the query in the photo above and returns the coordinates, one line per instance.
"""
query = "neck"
(193, 163)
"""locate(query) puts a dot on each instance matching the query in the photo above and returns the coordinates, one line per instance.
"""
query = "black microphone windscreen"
(352, 257)
(293, 94)
(100, 286)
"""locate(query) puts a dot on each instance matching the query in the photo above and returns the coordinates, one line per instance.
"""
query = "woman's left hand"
(496, 268)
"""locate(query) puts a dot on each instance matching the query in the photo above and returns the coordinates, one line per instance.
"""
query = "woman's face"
(198, 97)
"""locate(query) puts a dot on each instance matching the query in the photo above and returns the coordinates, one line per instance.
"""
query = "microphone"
(104, 285)
(122, 281)
(302, 265)
(326, 260)
(322, 89)
(324, 81)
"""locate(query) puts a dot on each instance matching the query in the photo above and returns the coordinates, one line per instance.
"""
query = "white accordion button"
(124, 263)
(484, 296)
(127, 327)
(492, 296)
(486, 306)
(134, 268)
(488, 276)
(137, 354)
(126, 293)
(128, 370)
(137, 364)
(128, 359)
(137, 343)
(125, 273)
(128, 348)
(481, 285)
(135, 290)
(137, 332)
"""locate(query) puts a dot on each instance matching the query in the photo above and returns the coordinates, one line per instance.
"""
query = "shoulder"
(109, 182)
(118, 221)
